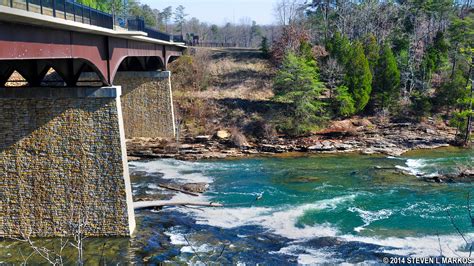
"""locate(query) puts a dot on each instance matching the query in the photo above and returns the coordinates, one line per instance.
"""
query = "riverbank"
(358, 135)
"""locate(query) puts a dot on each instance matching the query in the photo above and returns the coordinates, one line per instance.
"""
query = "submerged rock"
(465, 176)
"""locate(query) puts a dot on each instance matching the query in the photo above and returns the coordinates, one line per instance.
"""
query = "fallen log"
(163, 203)
(178, 190)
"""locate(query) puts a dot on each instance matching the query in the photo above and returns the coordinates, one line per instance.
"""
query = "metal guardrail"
(67, 9)
(139, 25)
(73, 11)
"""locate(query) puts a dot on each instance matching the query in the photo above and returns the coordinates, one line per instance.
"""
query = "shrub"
(191, 71)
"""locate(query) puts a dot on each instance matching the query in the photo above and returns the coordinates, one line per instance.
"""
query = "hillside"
(224, 108)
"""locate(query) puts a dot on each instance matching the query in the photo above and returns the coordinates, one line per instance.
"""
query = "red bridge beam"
(31, 50)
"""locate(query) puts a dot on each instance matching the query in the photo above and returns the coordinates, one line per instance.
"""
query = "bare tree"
(288, 11)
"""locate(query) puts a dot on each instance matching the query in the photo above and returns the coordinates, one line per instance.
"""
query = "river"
(296, 209)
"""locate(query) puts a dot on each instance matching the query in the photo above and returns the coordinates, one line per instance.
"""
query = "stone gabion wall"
(61, 165)
(146, 104)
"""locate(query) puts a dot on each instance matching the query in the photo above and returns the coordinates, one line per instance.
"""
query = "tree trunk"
(469, 118)
(160, 203)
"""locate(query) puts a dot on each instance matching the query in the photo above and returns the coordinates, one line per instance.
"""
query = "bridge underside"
(33, 51)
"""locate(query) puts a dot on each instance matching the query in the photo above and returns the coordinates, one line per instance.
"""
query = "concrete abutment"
(147, 103)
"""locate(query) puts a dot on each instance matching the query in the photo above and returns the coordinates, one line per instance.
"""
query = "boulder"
(343, 146)
(223, 134)
(363, 122)
(195, 187)
(202, 138)
(317, 147)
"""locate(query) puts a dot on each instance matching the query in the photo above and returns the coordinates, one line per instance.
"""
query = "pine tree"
(372, 51)
(386, 82)
(340, 48)
(297, 84)
(180, 19)
(358, 77)
(264, 47)
(343, 103)
(306, 52)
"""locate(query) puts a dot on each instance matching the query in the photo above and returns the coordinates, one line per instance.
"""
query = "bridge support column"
(63, 163)
(147, 103)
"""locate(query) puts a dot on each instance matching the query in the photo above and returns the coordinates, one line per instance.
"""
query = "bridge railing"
(139, 24)
(67, 9)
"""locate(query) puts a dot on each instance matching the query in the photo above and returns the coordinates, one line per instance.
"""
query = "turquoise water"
(310, 209)
(363, 205)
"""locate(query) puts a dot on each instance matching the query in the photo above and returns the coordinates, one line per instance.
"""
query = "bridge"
(86, 87)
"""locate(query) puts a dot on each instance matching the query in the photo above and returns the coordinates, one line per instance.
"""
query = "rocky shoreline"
(347, 136)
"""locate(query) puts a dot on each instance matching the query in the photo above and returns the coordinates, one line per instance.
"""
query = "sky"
(222, 11)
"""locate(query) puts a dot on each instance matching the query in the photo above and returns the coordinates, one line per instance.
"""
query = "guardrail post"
(54, 8)
(65, 13)
(82, 13)
(90, 15)
(41, 7)
(74, 10)
(11, 3)
(27, 5)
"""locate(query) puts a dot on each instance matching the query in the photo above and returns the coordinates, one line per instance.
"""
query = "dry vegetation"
(223, 88)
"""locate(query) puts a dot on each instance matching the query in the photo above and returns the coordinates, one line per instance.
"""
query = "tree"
(287, 12)
(149, 16)
(180, 19)
(264, 48)
(290, 40)
(372, 51)
(343, 103)
(420, 104)
(297, 84)
(358, 77)
(386, 82)
(340, 48)
(451, 90)
(166, 15)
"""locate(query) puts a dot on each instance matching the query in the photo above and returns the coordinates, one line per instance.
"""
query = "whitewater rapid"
(284, 220)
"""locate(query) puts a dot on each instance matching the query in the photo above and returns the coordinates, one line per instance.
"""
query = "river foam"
(172, 169)
(284, 220)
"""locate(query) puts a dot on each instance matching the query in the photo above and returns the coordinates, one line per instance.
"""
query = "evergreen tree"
(180, 19)
(297, 83)
(358, 77)
(448, 94)
(372, 51)
(306, 52)
(264, 47)
(340, 48)
(343, 102)
(166, 15)
(386, 82)
(435, 57)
